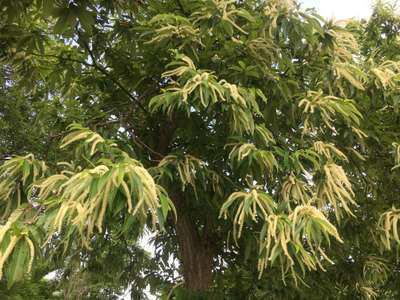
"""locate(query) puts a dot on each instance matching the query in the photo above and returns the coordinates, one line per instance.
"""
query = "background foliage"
(256, 141)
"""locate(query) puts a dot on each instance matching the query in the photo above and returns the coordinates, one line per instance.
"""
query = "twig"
(104, 71)
(136, 139)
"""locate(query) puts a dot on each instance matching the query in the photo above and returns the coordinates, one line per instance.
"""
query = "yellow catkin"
(31, 252)
(75, 136)
(58, 221)
(3, 256)
(128, 196)
(104, 204)
(14, 217)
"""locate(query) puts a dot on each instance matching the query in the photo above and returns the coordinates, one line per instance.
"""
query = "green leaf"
(165, 205)
(228, 28)
(18, 264)
(86, 18)
(61, 24)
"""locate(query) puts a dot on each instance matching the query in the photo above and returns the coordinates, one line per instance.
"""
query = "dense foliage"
(255, 144)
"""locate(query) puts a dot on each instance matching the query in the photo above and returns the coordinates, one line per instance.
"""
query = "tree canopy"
(254, 143)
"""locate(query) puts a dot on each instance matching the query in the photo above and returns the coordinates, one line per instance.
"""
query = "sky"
(341, 9)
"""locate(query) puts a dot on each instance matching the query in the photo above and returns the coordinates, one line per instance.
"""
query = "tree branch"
(104, 71)
(100, 69)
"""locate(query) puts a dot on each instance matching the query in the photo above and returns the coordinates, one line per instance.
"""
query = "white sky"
(341, 9)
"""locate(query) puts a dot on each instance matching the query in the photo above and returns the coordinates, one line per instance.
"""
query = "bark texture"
(195, 251)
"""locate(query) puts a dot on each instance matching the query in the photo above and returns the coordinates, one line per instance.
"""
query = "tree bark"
(195, 251)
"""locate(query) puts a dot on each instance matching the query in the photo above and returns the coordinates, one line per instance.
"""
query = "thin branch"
(62, 58)
(139, 142)
(104, 71)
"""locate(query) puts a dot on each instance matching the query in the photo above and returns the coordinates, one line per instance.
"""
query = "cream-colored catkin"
(3, 256)
(31, 252)
(127, 195)
(13, 217)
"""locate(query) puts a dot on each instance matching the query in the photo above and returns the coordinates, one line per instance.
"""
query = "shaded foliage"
(254, 141)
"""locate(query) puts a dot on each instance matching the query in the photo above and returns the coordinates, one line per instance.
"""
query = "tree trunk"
(195, 251)
(196, 254)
